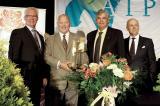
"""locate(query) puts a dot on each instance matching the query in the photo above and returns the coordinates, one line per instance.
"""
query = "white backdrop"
(12, 18)
(82, 15)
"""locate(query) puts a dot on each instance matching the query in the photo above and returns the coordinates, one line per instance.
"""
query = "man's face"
(133, 27)
(102, 21)
(63, 24)
(31, 18)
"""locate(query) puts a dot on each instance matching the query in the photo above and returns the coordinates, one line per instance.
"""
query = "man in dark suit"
(108, 39)
(140, 55)
(26, 49)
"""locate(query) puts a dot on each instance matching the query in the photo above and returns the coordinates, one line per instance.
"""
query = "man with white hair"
(26, 49)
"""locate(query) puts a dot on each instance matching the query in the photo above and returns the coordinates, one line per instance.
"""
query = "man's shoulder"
(74, 36)
(145, 38)
(52, 36)
(94, 31)
(114, 29)
(50, 39)
(126, 38)
(92, 34)
(18, 29)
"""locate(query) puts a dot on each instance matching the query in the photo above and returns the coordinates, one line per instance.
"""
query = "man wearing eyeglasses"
(26, 49)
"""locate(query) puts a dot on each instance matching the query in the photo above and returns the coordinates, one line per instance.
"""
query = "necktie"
(132, 48)
(34, 32)
(97, 49)
(64, 42)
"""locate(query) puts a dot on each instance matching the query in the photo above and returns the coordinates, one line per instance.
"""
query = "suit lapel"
(140, 44)
(59, 42)
(41, 40)
(127, 45)
(106, 41)
(70, 43)
(29, 35)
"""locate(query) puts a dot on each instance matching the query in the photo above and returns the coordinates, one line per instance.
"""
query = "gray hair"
(63, 15)
(30, 8)
(131, 20)
(101, 11)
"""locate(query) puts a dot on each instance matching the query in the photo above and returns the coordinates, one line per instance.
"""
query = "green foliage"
(157, 87)
(12, 89)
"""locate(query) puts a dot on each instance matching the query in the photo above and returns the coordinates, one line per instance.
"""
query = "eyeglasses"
(33, 16)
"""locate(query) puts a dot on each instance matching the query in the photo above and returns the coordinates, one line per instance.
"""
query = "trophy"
(78, 51)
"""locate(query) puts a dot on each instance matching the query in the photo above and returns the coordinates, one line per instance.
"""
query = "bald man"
(140, 54)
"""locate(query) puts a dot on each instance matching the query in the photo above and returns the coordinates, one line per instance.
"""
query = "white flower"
(118, 72)
(94, 67)
(127, 83)
(112, 66)
(134, 72)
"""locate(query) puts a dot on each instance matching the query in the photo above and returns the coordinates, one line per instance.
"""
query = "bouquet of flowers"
(104, 81)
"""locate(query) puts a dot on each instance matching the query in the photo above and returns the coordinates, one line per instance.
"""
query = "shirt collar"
(104, 30)
(30, 28)
(136, 37)
(61, 34)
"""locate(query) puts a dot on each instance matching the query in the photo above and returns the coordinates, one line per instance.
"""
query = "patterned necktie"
(34, 32)
(64, 43)
(132, 48)
(97, 49)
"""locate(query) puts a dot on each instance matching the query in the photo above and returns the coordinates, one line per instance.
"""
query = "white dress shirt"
(67, 36)
(136, 40)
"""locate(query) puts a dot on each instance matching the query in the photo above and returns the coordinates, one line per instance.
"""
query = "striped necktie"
(64, 43)
(34, 32)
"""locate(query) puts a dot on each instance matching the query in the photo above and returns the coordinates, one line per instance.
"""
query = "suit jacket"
(145, 59)
(54, 53)
(23, 47)
(113, 42)
(24, 51)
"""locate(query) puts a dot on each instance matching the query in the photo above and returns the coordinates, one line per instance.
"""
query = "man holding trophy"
(64, 52)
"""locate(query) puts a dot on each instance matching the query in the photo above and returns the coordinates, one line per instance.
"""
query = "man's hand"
(64, 65)
(45, 81)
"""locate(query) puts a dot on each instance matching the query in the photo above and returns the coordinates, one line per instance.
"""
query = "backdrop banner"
(13, 17)
(82, 15)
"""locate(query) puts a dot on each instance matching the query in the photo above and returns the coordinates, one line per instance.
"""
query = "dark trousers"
(33, 81)
(35, 88)
(53, 97)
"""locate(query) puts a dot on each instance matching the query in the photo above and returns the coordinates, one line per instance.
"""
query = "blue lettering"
(129, 8)
(146, 7)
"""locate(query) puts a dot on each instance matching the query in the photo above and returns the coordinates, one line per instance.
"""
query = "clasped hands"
(65, 65)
